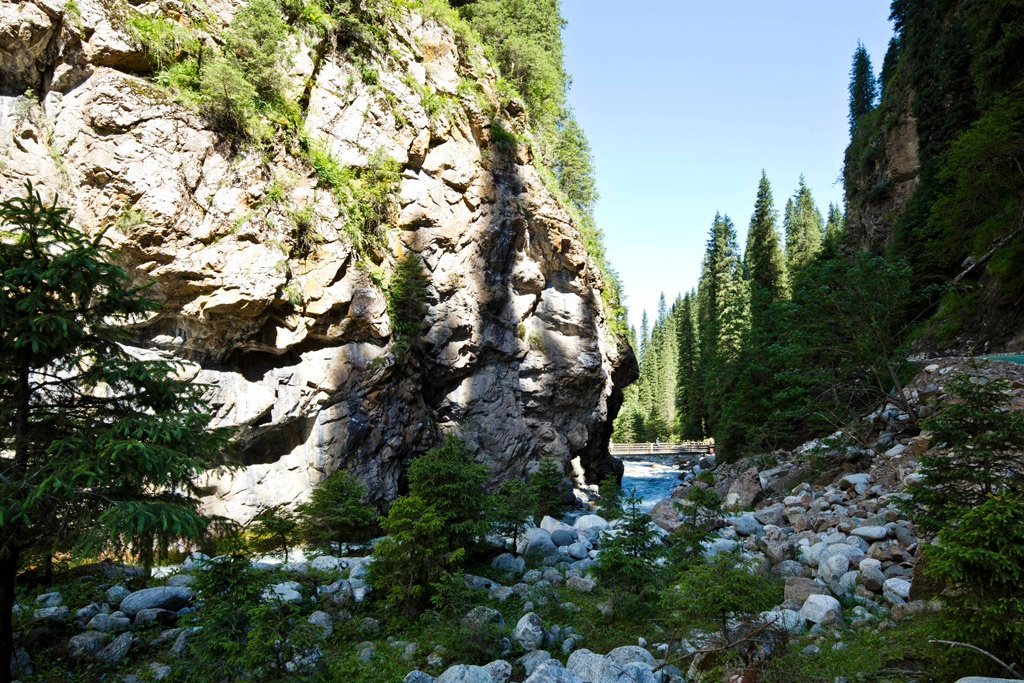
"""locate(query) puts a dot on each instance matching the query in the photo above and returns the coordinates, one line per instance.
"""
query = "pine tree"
(336, 513)
(92, 439)
(722, 309)
(763, 262)
(835, 228)
(803, 228)
(688, 345)
(863, 87)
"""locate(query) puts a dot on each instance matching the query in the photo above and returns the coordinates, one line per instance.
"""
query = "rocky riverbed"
(826, 519)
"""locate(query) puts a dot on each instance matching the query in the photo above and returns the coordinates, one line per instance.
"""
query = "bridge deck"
(681, 448)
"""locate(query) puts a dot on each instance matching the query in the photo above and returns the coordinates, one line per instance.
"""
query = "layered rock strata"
(298, 351)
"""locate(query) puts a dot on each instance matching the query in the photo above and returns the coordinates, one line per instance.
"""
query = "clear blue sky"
(685, 102)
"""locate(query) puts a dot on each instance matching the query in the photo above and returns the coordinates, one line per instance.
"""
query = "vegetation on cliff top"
(239, 87)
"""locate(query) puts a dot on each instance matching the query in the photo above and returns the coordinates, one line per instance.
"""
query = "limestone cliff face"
(298, 352)
(881, 172)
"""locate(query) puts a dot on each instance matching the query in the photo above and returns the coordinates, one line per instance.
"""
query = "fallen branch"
(952, 643)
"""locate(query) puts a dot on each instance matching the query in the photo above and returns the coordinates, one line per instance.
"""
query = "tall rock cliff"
(933, 175)
(275, 298)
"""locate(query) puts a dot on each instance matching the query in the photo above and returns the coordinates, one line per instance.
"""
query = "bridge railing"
(663, 448)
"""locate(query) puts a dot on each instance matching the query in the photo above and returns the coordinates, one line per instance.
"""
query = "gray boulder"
(83, 644)
(529, 632)
(116, 651)
(627, 654)
(552, 671)
(833, 568)
(745, 492)
(870, 533)
(562, 537)
(500, 670)
(155, 615)
(52, 615)
(115, 594)
(821, 609)
(581, 584)
(109, 624)
(324, 621)
(162, 597)
(327, 564)
(465, 673)
(509, 563)
(285, 592)
(536, 542)
(531, 660)
(418, 676)
(50, 600)
(594, 668)
(747, 525)
(482, 616)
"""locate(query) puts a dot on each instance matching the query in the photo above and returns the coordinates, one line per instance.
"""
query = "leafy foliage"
(100, 448)
(336, 514)
(630, 560)
(548, 484)
(274, 529)
(407, 294)
(982, 553)
(983, 442)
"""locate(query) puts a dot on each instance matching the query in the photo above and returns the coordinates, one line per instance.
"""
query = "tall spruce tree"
(721, 316)
(863, 87)
(98, 449)
(688, 413)
(835, 228)
(764, 265)
(803, 227)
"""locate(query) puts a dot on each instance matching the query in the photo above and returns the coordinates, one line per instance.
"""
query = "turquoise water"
(1009, 358)
(653, 478)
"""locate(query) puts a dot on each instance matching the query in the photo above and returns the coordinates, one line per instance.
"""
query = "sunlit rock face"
(297, 351)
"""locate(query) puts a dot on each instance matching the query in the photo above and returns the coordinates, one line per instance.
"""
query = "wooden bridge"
(682, 448)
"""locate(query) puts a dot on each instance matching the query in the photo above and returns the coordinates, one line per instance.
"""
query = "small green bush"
(273, 529)
(631, 560)
(407, 298)
(515, 504)
(549, 485)
(336, 514)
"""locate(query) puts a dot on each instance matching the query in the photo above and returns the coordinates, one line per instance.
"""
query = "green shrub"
(455, 487)
(722, 594)
(412, 561)
(407, 298)
(255, 45)
(609, 505)
(273, 529)
(228, 100)
(982, 555)
(631, 560)
(515, 504)
(164, 40)
(549, 486)
(336, 514)
(699, 514)
(983, 440)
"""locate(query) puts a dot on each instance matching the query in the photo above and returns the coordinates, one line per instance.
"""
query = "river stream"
(652, 477)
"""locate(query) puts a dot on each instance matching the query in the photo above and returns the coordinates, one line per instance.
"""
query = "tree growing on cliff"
(863, 86)
(91, 437)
